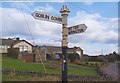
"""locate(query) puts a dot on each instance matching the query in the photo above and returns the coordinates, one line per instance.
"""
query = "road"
(112, 70)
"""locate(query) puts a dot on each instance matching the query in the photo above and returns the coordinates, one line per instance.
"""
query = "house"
(22, 45)
(23, 50)
(77, 50)
(55, 50)
(20, 49)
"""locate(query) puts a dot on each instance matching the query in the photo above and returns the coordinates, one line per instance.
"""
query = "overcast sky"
(101, 18)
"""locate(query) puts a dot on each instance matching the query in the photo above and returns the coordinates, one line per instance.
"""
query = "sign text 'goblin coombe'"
(47, 17)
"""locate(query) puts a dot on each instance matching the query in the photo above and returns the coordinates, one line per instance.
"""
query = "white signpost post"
(65, 32)
(77, 29)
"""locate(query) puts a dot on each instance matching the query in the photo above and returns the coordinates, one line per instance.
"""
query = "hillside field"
(15, 64)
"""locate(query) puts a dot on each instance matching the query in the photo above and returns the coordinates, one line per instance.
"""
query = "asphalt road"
(112, 70)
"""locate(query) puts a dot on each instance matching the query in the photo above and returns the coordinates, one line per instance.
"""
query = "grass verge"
(15, 64)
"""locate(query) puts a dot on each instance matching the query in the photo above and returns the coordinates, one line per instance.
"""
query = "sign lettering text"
(47, 17)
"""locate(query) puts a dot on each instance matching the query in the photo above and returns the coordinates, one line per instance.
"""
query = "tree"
(114, 53)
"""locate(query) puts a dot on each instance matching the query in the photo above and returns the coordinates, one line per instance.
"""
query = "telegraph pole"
(64, 13)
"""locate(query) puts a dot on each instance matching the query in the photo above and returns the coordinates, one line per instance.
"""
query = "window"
(8, 46)
(23, 48)
(2, 47)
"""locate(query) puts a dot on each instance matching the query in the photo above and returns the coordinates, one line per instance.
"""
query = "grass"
(80, 66)
(74, 69)
(104, 64)
(15, 64)
(29, 78)
(78, 72)
(0, 68)
(84, 70)
(14, 78)
(0, 62)
(74, 65)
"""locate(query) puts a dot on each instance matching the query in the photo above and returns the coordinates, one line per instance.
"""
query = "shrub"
(86, 63)
(73, 57)
(13, 52)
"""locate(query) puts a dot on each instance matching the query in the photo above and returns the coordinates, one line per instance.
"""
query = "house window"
(23, 48)
(2, 47)
(8, 46)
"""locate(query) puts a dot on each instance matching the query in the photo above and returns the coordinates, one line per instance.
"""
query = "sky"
(101, 19)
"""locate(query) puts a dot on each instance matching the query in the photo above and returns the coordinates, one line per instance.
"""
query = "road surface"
(112, 70)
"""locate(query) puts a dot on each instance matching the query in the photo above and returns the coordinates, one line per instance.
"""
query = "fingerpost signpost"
(64, 13)
(65, 32)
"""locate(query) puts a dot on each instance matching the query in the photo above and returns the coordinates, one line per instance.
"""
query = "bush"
(86, 63)
(104, 64)
(13, 52)
(73, 57)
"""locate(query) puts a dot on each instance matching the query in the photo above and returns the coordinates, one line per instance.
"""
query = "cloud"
(46, 8)
(100, 29)
(102, 33)
(27, 6)
(14, 23)
(88, 3)
(95, 48)
(47, 43)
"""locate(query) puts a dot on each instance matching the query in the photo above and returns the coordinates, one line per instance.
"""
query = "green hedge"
(73, 57)
(13, 52)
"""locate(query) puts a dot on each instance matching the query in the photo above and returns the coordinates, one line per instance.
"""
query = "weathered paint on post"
(64, 13)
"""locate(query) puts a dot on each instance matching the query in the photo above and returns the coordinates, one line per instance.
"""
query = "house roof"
(55, 48)
(12, 42)
(51, 49)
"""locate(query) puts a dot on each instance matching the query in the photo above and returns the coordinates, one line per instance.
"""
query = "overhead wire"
(82, 9)
(37, 51)
(26, 20)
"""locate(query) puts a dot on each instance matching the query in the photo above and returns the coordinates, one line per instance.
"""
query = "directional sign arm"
(47, 17)
(77, 29)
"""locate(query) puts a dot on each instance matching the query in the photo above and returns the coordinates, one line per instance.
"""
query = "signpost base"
(64, 65)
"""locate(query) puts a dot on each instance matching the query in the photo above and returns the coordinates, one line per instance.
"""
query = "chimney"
(17, 38)
(9, 38)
